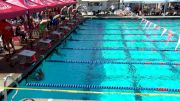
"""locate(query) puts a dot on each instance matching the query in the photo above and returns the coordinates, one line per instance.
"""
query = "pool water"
(103, 42)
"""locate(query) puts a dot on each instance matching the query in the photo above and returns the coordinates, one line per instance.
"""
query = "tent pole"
(165, 8)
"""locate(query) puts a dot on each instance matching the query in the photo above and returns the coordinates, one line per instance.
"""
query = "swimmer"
(64, 44)
(58, 53)
(38, 75)
(75, 32)
(70, 38)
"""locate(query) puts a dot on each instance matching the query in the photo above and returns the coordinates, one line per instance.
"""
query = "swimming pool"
(111, 55)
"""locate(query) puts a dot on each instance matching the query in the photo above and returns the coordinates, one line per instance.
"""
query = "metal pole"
(165, 8)
(119, 4)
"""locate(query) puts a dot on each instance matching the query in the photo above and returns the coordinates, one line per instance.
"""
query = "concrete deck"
(8, 67)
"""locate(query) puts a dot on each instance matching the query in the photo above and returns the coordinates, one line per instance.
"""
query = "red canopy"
(46, 3)
(8, 10)
(31, 6)
(56, 1)
(69, 2)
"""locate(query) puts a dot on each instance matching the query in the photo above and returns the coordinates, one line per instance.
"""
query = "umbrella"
(45, 3)
(31, 6)
(69, 2)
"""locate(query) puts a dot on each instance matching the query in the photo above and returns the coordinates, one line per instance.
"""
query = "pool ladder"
(5, 90)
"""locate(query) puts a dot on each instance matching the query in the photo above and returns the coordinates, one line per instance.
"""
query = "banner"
(164, 31)
(178, 43)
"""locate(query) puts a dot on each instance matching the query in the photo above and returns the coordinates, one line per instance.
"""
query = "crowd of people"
(28, 27)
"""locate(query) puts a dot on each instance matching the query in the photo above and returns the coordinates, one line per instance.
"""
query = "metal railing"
(5, 85)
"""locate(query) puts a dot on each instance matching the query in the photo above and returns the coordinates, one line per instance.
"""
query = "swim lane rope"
(121, 34)
(132, 49)
(92, 92)
(125, 40)
(100, 87)
(113, 62)
(135, 49)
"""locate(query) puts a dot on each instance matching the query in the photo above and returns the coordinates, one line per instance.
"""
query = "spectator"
(20, 32)
(112, 9)
(7, 35)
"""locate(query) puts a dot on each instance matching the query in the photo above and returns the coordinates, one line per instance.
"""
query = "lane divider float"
(113, 62)
(93, 92)
(131, 49)
(100, 87)
(125, 40)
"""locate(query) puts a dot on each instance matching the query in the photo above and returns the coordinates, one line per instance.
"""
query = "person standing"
(7, 35)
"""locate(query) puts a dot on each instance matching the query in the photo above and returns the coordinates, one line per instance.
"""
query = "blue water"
(95, 34)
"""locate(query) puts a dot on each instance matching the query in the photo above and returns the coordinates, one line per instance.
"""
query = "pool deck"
(59, 100)
(16, 70)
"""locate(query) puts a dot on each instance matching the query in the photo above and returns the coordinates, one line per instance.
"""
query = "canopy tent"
(149, 1)
(173, 0)
(8, 10)
(57, 2)
(72, 1)
(154, 1)
(69, 2)
(97, 0)
(31, 6)
(45, 3)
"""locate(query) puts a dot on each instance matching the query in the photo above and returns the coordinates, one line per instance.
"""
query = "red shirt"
(6, 30)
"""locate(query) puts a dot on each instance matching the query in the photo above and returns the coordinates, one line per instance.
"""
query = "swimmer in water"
(38, 75)
(58, 53)
(70, 38)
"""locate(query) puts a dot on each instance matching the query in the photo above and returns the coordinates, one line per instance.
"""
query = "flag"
(142, 21)
(158, 27)
(170, 34)
(178, 43)
(155, 26)
(146, 23)
(164, 31)
(149, 25)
